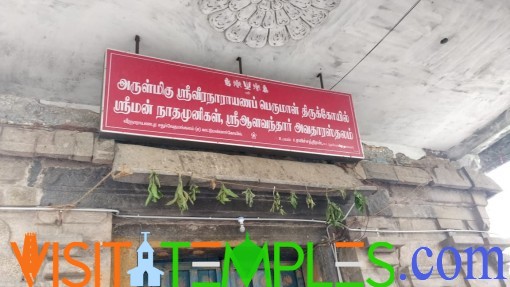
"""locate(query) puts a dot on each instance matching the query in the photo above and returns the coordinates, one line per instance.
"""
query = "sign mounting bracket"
(137, 44)
(319, 75)
(240, 60)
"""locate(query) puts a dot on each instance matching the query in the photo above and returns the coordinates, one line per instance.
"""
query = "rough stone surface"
(9, 266)
(463, 241)
(202, 167)
(450, 177)
(104, 150)
(451, 224)
(65, 144)
(18, 141)
(34, 172)
(482, 216)
(471, 161)
(30, 112)
(378, 154)
(417, 211)
(429, 162)
(13, 170)
(397, 242)
(18, 224)
(379, 171)
(498, 242)
(454, 212)
(378, 204)
(60, 144)
(481, 182)
(412, 175)
(84, 146)
(479, 198)
(430, 195)
(402, 159)
(19, 195)
(57, 144)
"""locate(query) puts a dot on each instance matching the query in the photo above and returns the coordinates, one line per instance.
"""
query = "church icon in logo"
(145, 266)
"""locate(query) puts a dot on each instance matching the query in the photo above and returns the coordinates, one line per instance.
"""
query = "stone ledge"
(498, 242)
(481, 182)
(30, 112)
(412, 175)
(379, 171)
(449, 177)
(104, 150)
(202, 167)
(451, 224)
(393, 173)
(397, 242)
(59, 144)
(463, 241)
(18, 141)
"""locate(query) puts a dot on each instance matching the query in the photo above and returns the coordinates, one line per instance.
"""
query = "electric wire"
(377, 44)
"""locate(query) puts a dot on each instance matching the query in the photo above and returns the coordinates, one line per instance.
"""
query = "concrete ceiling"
(410, 90)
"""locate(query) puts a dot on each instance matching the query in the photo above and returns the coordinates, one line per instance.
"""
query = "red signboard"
(150, 97)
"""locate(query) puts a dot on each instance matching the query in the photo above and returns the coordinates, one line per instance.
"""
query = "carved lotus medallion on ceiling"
(261, 22)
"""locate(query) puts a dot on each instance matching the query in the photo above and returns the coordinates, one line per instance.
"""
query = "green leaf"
(248, 195)
(149, 198)
(360, 201)
(153, 189)
(309, 201)
(277, 204)
(293, 199)
(172, 201)
(225, 194)
(334, 215)
(156, 179)
(180, 197)
(192, 194)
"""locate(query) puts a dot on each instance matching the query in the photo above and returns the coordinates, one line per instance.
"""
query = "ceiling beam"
(483, 138)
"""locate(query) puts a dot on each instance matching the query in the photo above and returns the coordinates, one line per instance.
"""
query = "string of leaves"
(153, 189)
(334, 215)
(309, 201)
(225, 195)
(293, 200)
(193, 191)
(248, 195)
(277, 204)
(181, 197)
(360, 201)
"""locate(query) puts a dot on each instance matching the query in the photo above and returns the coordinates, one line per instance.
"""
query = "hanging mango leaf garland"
(248, 195)
(277, 204)
(309, 201)
(334, 215)
(293, 199)
(360, 201)
(181, 197)
(153, 188)
(225, 195)
(193, 191)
